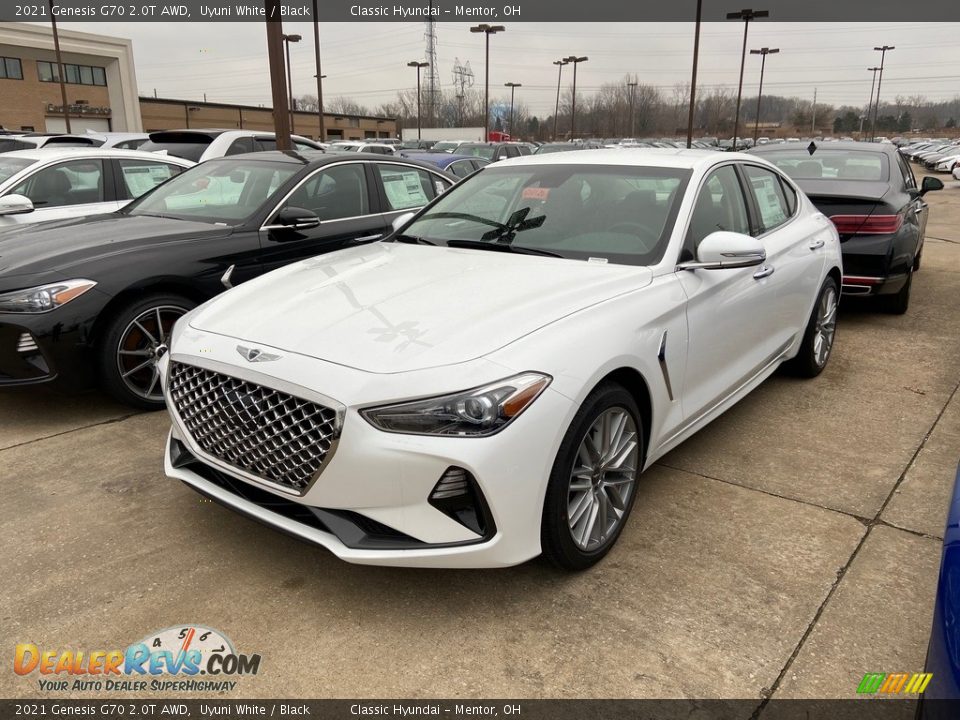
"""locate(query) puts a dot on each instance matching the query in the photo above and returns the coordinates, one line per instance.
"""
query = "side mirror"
(723, 250)
(930, 184)
(15, 205)
(401, 220)
(294, 218)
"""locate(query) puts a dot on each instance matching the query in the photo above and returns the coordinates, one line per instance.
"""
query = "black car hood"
(854, 189)
(58, 245)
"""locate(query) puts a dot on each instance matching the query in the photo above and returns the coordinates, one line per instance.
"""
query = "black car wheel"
(131, 347)
(593, 482)
(898, 303)
(821, 330)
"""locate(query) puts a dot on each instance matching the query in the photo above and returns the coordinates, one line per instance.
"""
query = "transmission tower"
(431, 79)
(462, 79)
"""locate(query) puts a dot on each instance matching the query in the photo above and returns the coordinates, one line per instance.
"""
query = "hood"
(57, 245)
(391, 307)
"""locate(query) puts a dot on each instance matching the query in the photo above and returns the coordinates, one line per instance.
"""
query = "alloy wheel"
(139, 350)
(603, 478)
(826, 327)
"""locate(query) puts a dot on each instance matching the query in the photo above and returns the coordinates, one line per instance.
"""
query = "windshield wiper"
(464, 216)
(501, 247)
(412, 240)
(506, 232)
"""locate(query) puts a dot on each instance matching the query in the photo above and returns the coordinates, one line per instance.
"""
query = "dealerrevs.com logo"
(180, 658)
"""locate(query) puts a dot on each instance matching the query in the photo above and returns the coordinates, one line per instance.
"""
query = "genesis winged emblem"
(255, 354)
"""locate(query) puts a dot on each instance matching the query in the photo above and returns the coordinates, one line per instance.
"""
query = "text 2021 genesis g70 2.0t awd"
(488, 383)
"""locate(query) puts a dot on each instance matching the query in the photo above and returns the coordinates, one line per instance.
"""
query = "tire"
(811, 360)
(557, 537)
(898, 303)
(916, 261)
(126, 355)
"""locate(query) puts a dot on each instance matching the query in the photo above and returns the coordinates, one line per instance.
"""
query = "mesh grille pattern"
(276, 436)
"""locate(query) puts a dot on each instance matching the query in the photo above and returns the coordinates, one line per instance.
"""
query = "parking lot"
(784, 551)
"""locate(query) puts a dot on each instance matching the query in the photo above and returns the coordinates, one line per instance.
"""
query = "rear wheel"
(898, 303)
(821, 330)
(593, 481)
(131, 348)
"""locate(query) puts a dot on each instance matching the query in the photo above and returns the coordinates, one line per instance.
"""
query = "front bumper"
(381, 482)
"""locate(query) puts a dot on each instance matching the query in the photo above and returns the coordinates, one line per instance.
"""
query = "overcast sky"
(367, 61)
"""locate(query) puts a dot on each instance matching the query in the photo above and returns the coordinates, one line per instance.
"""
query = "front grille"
(280, 438)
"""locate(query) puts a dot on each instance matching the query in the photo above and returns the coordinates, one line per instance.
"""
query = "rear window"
(187, 147)
(831, 164)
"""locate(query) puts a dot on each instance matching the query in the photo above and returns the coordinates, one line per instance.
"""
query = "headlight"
(472, 413)
(44, 298)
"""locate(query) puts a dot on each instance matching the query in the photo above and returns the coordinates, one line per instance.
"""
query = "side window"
(406, 187)
(139, 176)
(908, 179)
(512, 151)
(240, 145)
(334, 193)
(461, 168)
(76, 182)
(766, 188)
(720, 206)
(791, 195)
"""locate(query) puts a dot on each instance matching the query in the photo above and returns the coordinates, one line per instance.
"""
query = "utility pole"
(693, 79)
(60, 69)
(287, 39)
(813, 123)
(281, 117)
(319, 76)
(747, 14)
(873, 83)
(762, 52)
(418, 65)
(573, 107)
(513, 86)
(556, 113)
(876, 113)
(633, 93)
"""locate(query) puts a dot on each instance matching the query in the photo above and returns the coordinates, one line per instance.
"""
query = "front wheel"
(131, 346)
(593, 481)
(821, 330)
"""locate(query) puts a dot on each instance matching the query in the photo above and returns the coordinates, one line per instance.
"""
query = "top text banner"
(481, 12)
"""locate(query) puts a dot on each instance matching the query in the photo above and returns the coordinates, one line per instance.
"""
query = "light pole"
(556, 113)
(763, 52)
(287, 39)
(60, 69)
(573, 107)
(487, 30)
(319, 76)
(876, 113)
(513, 86)
(873, 84)
(633, 92)
(693, 79)
(747, 14)
(278, 90)
(418, 65)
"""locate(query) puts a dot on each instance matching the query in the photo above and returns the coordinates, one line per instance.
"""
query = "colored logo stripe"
(892, 683)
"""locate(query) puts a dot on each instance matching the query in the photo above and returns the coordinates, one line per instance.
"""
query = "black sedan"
(95, 298)
(870, 193)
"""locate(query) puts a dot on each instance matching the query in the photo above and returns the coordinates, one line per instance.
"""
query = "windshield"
(445, 145)
(618, 213)
(546, 149)
(11, 166)
(831, 164)
(483, 151)
(217, 191)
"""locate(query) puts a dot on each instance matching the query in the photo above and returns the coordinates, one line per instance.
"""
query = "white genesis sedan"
(488, 383)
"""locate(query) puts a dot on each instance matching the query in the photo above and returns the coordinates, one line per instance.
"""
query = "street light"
(747, 14)
(287, 39)
(487, 30)
(633, 92)
(573, 108)
(418, 65)
(883, 56)
(763, 52)
(873, 84)
(319, 76)
(556, 114)
(513, 86)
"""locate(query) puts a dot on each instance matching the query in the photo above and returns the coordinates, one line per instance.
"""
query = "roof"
(67, 153)
(318, 158)
(233, 106)
(885, 148)
(656, 157)
(441, 159)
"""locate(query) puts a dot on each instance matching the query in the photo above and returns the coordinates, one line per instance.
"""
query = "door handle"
(816, 244)
(765, 271)
(368, 238)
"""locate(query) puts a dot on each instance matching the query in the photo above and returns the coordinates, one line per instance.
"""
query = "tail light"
(867, 224)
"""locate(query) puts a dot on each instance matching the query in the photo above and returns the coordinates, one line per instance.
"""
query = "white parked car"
(58, 182)
(359, 146)
(33, 141)
(200, 145)
(956, 172)
(489, 382)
